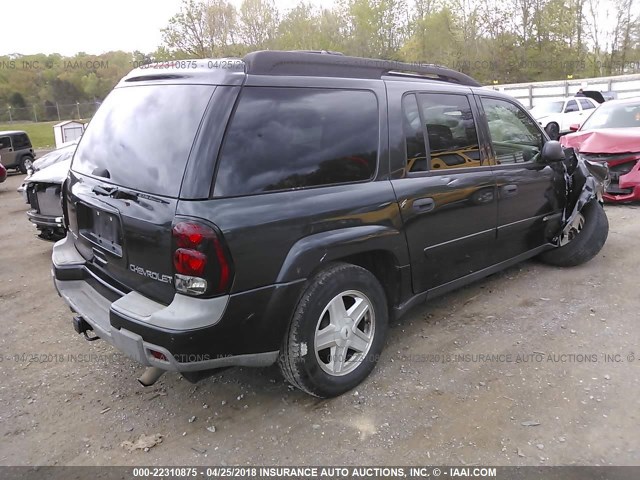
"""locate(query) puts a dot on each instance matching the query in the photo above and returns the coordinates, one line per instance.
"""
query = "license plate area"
(100, 227)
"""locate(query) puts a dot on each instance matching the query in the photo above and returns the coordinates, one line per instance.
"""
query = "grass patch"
(41, 133)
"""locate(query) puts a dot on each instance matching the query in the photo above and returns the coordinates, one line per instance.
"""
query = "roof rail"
(333, 64)
(323, 52)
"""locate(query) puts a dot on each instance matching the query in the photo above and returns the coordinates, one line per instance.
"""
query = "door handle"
(422, 205)
(510, 190)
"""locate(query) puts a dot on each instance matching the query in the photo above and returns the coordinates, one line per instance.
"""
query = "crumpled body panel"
(586, 180)
(605, 140)
(619, 148)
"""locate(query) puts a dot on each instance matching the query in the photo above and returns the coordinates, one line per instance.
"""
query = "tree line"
(505, 41)
(48, 87)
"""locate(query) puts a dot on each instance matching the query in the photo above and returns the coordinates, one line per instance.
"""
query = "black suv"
(284, 207)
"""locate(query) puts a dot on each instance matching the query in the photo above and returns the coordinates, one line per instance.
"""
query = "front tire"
(337, 332)
(583, 240)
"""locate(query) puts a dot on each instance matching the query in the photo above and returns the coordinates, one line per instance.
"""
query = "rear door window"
(5, 142)
(141, 136)
(291, 138)
(451, 131)
(414, 135)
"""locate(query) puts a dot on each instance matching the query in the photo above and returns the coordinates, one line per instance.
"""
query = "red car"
(612, 134)
(3, 173)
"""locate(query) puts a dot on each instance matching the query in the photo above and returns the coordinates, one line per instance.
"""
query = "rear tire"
(25, 162)
(586, 243)
(337, 332)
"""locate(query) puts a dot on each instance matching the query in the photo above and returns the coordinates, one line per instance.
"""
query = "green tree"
(259, 20)
(300, 29)
(435, 39)
(375, 28)
(16, 100)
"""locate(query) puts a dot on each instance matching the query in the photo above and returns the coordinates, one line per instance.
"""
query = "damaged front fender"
(586, 181)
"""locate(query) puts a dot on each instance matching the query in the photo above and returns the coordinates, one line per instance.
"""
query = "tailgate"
(125, 241)
(125, 180)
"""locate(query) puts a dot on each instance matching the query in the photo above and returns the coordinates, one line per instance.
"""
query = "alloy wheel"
(344, 333)
(572, 230)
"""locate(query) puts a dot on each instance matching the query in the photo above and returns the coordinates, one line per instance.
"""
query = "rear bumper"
(192, 334)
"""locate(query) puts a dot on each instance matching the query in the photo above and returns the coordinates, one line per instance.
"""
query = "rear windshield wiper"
(106, 191)
(115, 192)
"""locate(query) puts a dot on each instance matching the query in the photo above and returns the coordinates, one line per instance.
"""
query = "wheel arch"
(379, 249)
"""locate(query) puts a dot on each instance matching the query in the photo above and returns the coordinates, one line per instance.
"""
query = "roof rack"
(335, 64)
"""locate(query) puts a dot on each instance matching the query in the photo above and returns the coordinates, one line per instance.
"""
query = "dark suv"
(284, 207)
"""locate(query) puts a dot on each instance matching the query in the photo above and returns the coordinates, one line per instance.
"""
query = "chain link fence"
(48, 112)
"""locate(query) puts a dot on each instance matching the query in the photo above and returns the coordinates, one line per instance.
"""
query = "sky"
(71, 26)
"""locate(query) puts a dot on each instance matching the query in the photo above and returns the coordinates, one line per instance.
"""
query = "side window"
(5, 142)
(586, 104)
(572, 106)
(291, 138)
(21, 141)
(414, 135)
(514, 136)
(451, 131)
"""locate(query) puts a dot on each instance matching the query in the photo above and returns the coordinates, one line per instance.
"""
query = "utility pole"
(10, 119)
(58, 110)
(35, 114)
(78, 109)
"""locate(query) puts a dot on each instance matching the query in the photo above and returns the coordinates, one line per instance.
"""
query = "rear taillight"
(202, 266)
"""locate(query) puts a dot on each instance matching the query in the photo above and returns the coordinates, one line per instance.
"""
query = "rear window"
(142, 136)
(586, 104)
(290, 138)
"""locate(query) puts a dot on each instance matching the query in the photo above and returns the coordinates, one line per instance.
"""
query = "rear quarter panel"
(284, 236)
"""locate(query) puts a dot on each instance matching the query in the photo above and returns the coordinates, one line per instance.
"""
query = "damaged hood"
(606, 140)
(56, 173)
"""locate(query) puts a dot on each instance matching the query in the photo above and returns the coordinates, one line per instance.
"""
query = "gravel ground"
(532, 366)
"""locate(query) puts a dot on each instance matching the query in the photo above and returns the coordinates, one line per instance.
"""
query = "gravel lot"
(558, 383)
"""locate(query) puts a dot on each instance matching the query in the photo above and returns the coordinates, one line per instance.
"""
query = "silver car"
(42, 189)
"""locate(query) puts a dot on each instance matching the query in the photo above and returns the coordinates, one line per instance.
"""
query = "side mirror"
(574, 127)
(552, 151)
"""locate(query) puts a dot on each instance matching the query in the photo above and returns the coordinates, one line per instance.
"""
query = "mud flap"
(585, 181)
